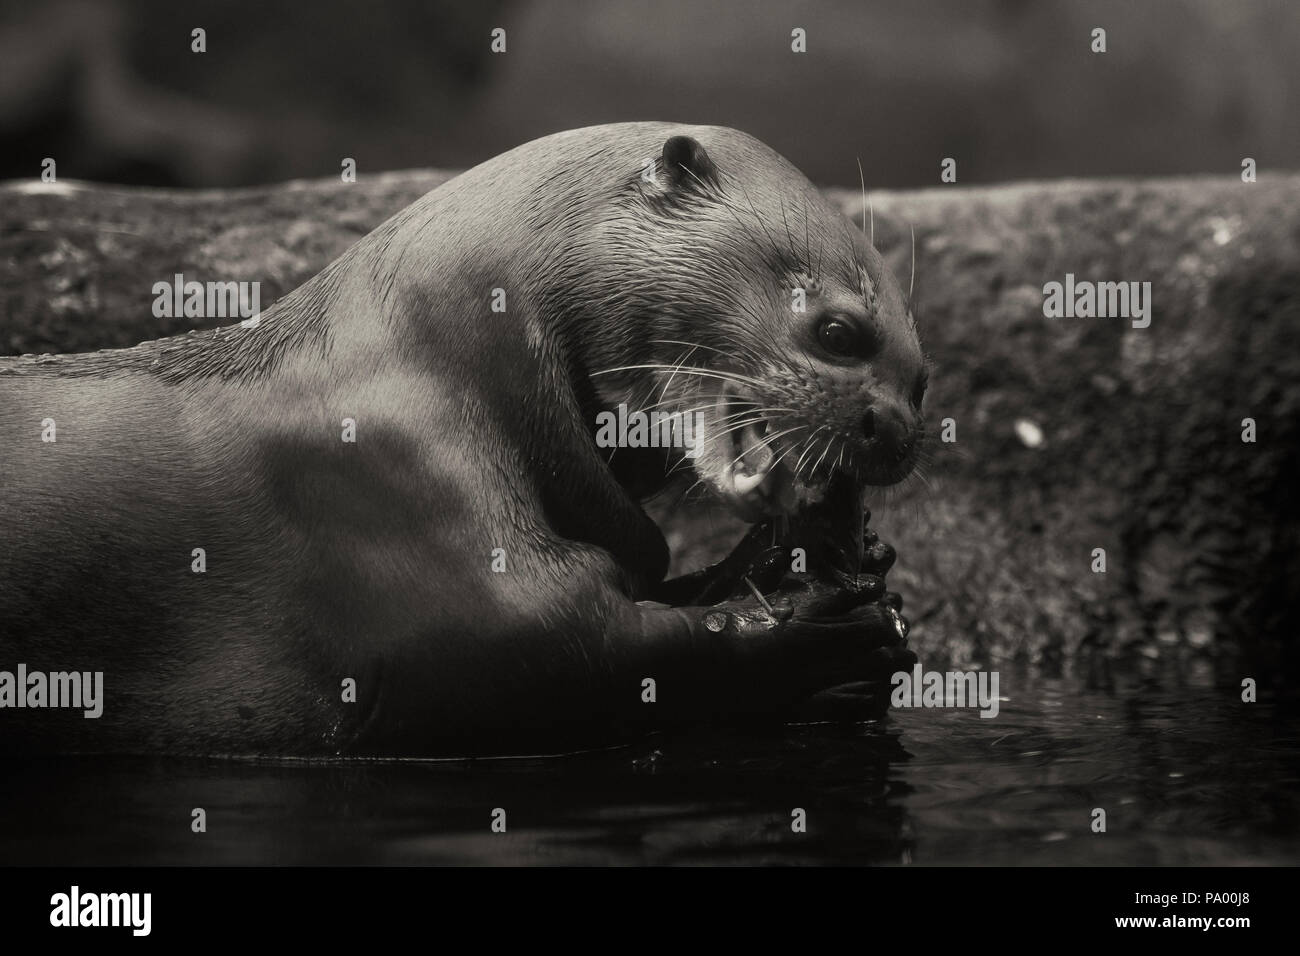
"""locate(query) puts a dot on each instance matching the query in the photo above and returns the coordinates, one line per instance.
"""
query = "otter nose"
(888, 427)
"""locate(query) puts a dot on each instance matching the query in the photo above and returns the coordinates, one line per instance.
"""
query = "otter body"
(471, 563)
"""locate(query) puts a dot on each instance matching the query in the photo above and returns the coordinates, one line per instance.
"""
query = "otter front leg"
(759, 656)
(557, 655)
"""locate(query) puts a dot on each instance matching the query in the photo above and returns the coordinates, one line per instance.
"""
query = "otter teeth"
(754, 463)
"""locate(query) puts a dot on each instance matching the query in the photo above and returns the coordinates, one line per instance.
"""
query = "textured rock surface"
(1140, 449)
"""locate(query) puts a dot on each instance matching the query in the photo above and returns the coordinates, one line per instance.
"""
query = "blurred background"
(111, 89)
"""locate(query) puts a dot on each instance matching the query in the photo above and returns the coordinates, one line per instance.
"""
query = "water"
(1187, 775)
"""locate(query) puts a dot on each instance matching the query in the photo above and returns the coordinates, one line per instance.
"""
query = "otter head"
(763, 316)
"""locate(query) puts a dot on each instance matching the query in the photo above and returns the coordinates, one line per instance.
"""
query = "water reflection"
(1186, 774)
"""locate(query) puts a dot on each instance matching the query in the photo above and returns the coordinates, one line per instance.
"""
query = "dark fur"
(372, 561)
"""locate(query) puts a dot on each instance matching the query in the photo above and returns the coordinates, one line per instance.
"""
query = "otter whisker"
(820, 249)
(717, 437)
(734, 377)
(741, 426)
(912, 281)
(764, 441)
(862, 181)
(806, 362)
(687, 493)
(663, 391)
(733, 428)
(808, 446)
(720, 436)
(777, 348)
(681, 362)
(730, 344)
(807, 239)
(761, 414)
(665, 367)
(700, 345)
(707, 439)
(693, 408)
(789, 449)
(780, 261)
(733, 207)
(788, 238)
(829, 442)
(689, 345)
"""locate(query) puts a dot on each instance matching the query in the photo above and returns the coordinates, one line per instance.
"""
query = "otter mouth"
(740, 460)
(761, 465)
(752, 465)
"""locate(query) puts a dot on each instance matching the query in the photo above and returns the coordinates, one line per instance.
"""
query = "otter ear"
(686, 165)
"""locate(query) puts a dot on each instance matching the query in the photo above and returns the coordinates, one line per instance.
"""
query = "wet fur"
(371, 561)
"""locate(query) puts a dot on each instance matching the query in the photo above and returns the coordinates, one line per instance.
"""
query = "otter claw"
(868, 588)
(768, 568)
(879, 558)
(900, 623)
(782, 609)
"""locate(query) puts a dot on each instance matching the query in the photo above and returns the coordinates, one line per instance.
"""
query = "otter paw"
(809, 635)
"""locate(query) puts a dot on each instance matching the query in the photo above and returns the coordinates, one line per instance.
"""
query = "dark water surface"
(1187, 775)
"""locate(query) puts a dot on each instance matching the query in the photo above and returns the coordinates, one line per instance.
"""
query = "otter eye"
(839, 337)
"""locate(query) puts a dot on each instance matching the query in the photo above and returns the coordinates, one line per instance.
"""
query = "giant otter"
(471, 574)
